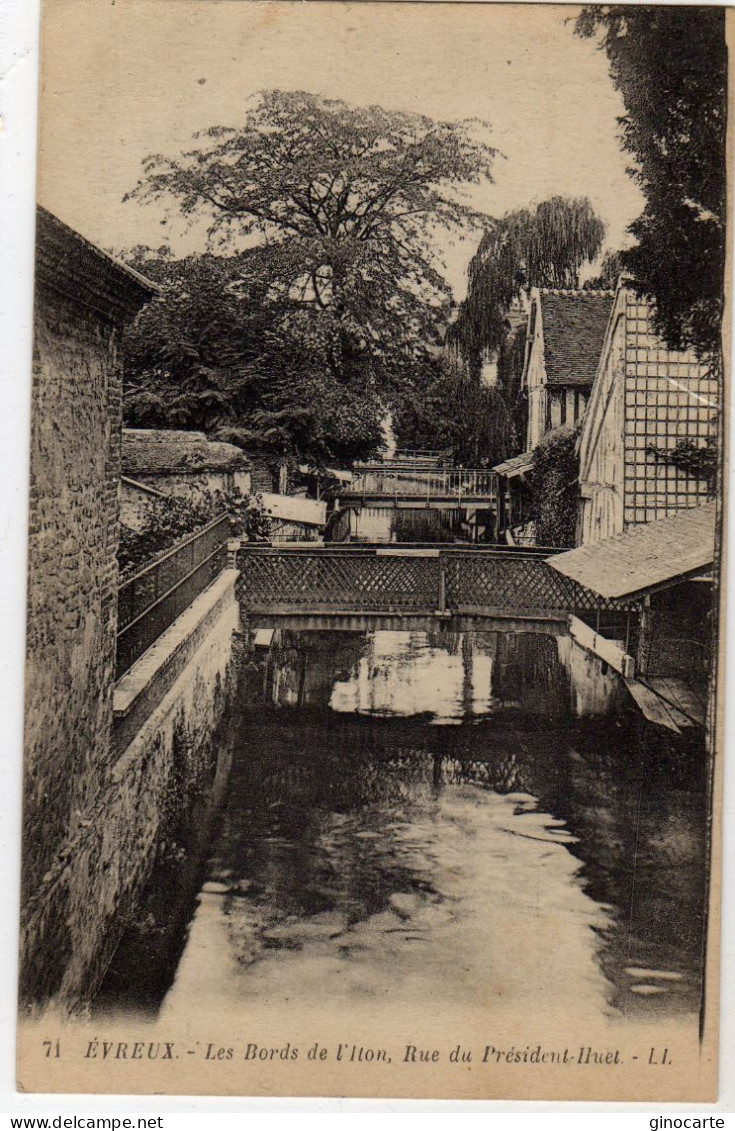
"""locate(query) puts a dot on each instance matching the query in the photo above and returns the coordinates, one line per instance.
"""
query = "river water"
(472, 818)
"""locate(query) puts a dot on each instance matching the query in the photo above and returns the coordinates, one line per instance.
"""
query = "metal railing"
(418, 453)
(394, 481)
(422, 457)
(151, 600)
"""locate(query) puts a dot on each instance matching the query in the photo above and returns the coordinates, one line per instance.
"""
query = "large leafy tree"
(542, 246)
(344, 205)
(215, 352)
(670, 65)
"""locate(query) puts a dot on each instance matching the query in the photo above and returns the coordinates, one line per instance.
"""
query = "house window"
(563, 399)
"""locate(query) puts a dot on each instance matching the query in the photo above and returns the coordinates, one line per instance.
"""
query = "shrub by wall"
(554, 484)
(171, 520)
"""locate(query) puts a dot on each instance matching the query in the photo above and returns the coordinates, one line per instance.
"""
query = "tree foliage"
(670, 65)
(215, 352)
(692, 456)
(344, 204)
(543, 246)
(456, 413)
(171, 520)
(610, 270)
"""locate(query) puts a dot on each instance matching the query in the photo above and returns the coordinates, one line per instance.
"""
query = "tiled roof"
(645, 557)
(574, 332)
(154, 451)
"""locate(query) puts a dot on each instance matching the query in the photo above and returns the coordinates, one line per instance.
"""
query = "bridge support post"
(233, 546)
(646, 627)
(442, 605)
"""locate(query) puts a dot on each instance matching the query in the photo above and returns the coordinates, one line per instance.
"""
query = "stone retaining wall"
(161, 774)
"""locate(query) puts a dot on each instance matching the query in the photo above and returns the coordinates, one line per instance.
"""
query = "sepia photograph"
(375, 614)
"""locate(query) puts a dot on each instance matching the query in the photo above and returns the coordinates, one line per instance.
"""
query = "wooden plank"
(611, 651)
(652, 706)
(511, 612)
(678, 694)
(404, 552)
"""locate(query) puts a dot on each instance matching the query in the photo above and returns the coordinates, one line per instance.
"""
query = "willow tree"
(544, 246)
(457, 414)
(344, 205)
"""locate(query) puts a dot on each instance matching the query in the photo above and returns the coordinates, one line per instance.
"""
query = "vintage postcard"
(373, 738)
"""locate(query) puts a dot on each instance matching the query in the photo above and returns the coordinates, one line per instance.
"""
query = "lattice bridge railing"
(487, 581)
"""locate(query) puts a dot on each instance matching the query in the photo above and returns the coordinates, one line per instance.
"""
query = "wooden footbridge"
(359, 587)
(414, 497)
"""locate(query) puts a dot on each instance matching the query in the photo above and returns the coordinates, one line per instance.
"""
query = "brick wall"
(159, 774)
(271, 473)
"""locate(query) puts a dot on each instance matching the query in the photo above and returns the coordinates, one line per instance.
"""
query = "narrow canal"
(410, 816)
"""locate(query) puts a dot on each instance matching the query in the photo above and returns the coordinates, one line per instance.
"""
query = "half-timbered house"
(649, 405)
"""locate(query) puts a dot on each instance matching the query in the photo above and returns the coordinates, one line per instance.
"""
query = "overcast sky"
(125, 78)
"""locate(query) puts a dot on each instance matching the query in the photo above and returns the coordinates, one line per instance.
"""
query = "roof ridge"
(576, 291)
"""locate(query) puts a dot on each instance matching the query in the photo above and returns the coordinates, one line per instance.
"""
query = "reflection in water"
(524, 852)
(451, 677)
(404, 673)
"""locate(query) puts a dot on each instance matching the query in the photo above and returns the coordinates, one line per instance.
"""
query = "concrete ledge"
(608, 650)
(141, 689)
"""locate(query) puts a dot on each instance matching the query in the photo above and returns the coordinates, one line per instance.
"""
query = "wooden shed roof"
(295, 508)
(516, 465)
(646, 557)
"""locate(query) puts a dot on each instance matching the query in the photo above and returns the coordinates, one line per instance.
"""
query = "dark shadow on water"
(328, 814)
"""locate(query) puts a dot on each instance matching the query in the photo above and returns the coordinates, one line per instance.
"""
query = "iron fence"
(396, 481)
(150, 602)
